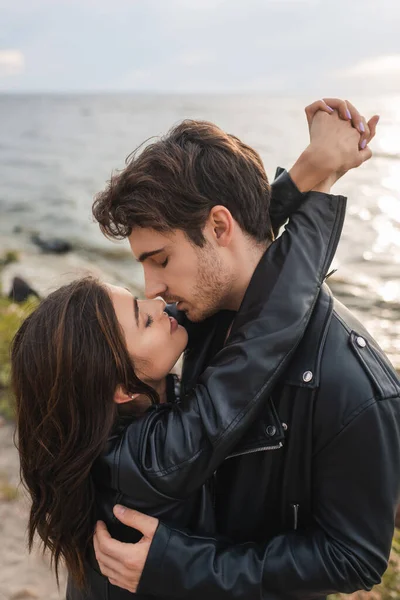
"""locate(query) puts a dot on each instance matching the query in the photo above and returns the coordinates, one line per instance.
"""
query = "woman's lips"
(174, 324)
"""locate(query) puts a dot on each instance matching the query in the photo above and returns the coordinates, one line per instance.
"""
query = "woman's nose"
(161, 305)
(161, 299)
(154, 307)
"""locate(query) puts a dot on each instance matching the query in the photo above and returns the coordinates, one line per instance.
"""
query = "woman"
(97, 417)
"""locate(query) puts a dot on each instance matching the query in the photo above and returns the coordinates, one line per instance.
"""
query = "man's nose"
(154, 288)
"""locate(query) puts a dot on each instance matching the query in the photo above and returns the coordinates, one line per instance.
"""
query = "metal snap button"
(361, 342)
(271, 430)
(284, 425)
(307, 376)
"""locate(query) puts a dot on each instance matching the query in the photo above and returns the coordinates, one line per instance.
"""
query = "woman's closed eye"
(164, 264)
(149, 320)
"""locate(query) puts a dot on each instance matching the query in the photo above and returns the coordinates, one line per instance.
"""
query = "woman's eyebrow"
(136, 308)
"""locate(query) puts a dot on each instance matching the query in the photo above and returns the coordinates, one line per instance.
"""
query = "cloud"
(202, 5)
(380, 74)
(193, 59)
(381, 66)
(200, 45)
(140, 77)
(12, 62)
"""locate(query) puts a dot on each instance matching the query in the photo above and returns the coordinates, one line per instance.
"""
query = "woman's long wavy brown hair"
(68, 358)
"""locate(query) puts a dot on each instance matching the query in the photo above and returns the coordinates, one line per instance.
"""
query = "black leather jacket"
(305, 504)
(195, 460)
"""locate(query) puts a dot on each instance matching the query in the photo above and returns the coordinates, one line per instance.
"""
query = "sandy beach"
(23, 576)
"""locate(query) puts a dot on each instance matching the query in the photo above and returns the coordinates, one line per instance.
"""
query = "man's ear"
(221, 225)
(120, 397)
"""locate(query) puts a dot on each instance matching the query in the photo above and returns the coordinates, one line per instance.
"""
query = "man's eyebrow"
(146, 255)
(136, 307)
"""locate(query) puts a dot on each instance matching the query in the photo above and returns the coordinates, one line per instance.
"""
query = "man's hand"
(122, 563)
(339, 138)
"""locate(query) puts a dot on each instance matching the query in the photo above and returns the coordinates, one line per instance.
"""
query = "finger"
(101, 527)
(111, 566)
(313, 108)
(127, 574)
(359, 122)
(372, 124)
(357, 119)
(100, 535)
(107, 545)
(133, 518)
(114, 582)
(120, 584)
(365, 154)
(340, 106)
(364, 127)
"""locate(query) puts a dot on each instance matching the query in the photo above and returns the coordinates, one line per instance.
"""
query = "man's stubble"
(213, 287)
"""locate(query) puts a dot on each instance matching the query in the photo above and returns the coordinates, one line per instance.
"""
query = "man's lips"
(172, 300)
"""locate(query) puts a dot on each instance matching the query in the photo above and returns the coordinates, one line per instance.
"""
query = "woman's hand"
(339, 143)
(343, 141)
(339, 138)
(348, 112)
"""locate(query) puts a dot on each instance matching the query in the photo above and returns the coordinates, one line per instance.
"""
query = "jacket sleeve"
(176, 447)
(354, 502)
(286, 198)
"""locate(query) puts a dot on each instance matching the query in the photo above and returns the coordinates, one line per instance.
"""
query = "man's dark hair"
(174, 183)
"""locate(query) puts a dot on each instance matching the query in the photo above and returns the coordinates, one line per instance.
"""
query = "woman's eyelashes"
(164, 264)
(149, 320)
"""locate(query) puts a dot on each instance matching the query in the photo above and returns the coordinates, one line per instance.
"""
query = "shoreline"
(45, 272)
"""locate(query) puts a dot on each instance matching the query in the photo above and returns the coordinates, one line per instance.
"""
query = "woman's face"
(154, 340)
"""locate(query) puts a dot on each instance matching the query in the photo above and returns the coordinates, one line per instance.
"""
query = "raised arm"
(177, 446)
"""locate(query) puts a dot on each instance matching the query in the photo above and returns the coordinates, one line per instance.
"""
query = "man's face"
(178, 271)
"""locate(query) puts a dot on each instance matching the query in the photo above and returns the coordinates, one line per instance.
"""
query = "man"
(305, 505)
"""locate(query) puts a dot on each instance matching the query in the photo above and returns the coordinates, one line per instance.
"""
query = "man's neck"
(246, 261)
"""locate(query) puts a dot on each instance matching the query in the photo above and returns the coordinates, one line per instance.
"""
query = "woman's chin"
(181, 331)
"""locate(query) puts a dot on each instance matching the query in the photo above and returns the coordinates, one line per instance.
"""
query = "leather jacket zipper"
(253, 450)
(339, 219)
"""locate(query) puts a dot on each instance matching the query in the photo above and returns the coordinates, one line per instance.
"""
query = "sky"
(277, 46)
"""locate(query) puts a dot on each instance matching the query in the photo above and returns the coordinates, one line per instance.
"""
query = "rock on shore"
(44, 273)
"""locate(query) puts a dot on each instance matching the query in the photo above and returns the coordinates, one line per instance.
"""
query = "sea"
(58, 151)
